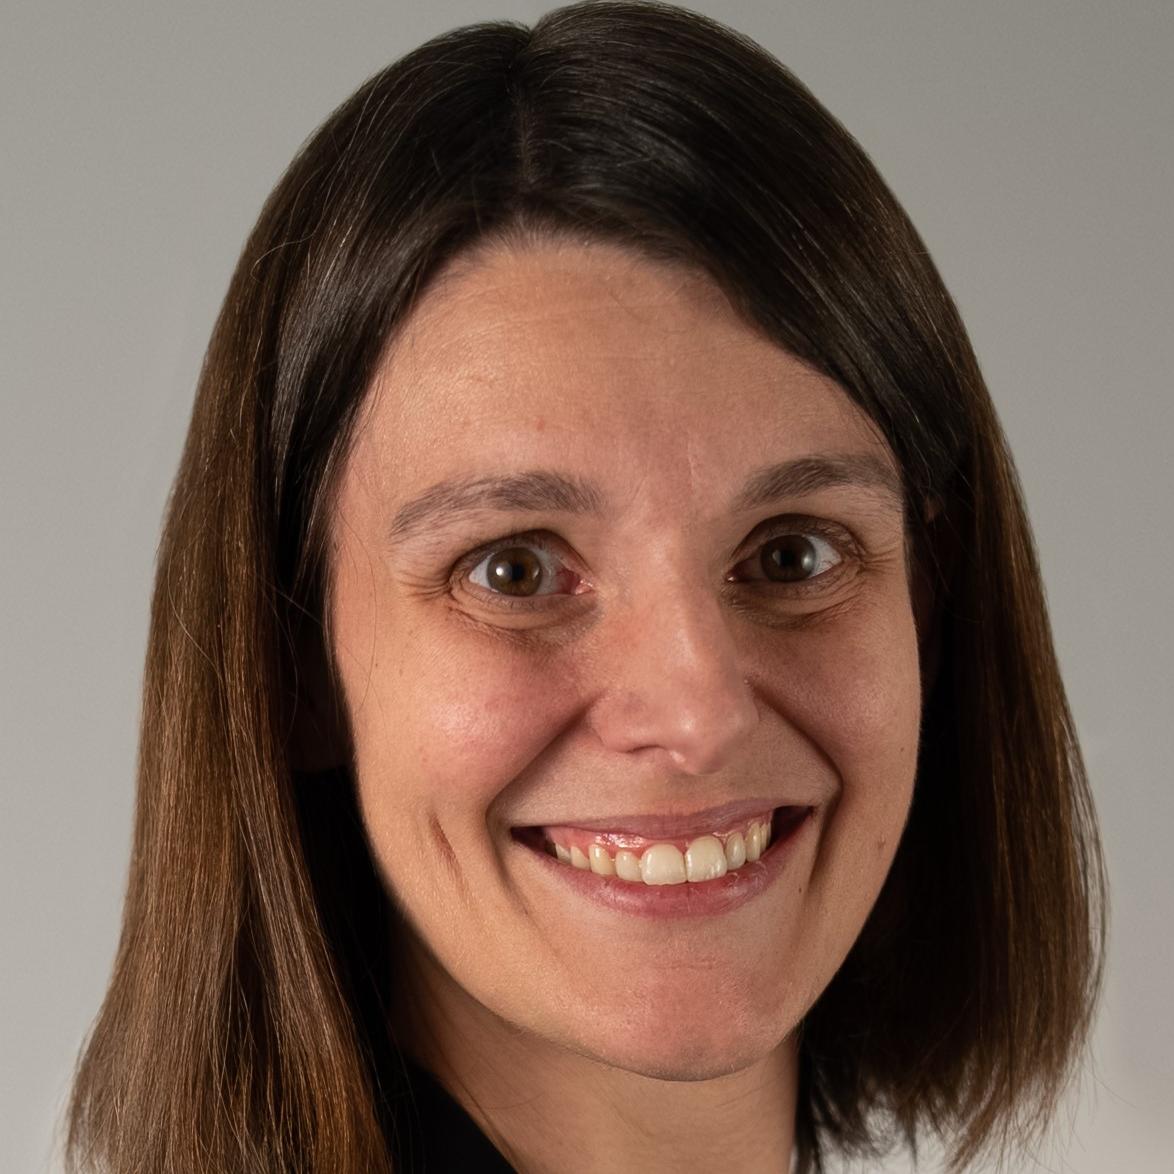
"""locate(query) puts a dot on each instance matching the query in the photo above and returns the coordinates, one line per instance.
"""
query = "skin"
(578, 1037)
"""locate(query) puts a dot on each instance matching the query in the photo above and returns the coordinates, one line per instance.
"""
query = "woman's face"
(583, 595)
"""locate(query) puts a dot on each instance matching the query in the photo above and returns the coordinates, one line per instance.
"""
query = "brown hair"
(237, 1030)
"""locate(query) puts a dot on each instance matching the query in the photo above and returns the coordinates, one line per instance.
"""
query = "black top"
(430, 1133)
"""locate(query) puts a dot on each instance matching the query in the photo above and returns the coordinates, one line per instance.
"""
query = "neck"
(549, 1109)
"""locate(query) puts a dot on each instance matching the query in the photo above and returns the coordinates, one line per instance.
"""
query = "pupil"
(781, 560)
(515, 571)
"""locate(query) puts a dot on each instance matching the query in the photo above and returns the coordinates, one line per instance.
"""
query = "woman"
(600, 707)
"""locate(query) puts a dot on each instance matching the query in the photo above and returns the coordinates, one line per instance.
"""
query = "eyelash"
(843, 544)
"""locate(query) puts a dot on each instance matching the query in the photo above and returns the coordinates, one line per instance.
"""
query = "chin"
(685, 1060)
(686, 1039)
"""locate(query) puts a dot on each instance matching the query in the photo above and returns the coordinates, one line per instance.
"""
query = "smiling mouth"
(667, 861)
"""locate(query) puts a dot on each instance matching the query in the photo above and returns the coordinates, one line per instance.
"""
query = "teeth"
(705, 858)
(601, 862)
(736, 850)
(628, 865)
(663, 864)
(754, 842)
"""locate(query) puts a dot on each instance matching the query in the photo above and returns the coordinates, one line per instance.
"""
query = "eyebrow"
(544, 491)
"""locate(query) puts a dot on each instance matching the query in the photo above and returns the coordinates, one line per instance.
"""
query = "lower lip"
(701, 899)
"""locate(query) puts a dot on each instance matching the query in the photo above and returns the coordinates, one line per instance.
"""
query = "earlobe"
(320, 736)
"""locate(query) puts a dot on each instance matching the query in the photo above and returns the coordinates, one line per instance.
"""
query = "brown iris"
(788, 558)
(514, 571)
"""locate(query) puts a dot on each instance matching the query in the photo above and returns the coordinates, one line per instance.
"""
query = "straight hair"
(242, 1025)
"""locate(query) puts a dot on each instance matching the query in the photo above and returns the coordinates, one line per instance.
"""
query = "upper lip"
(671, 825)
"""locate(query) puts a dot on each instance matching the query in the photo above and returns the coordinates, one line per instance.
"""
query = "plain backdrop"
(1030, 142)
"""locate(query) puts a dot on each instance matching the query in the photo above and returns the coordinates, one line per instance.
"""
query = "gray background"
(1029, 141)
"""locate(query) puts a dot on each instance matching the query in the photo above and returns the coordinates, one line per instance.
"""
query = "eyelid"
(535, 538)
(833, 532)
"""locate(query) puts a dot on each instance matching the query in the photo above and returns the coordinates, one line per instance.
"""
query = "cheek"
(853, 690)
(457, 714)
(856, 699)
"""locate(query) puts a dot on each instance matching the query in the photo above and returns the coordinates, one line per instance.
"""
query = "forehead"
(599, 357)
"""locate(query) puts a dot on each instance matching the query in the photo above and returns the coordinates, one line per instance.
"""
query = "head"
(650, 661)
(629, 251)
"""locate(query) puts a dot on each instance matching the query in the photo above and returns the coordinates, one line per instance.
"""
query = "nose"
(674, 683)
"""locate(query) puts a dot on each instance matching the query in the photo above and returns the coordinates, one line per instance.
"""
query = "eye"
(798, 556)
(520, 568)
(516, 569)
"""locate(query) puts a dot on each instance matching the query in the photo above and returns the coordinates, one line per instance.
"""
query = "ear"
(321, 736)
